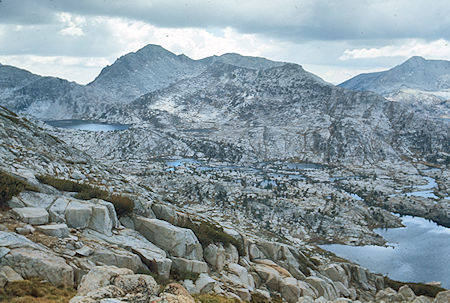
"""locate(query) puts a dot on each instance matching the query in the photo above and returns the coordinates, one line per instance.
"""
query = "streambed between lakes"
(419, 252)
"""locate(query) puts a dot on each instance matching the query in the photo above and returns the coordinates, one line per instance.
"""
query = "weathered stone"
(112, 213)
(170, 298)
(9, 240)
(144, 284)
(7, 275)
(423, 299)
(100, 219)
(15, 203)
(244, 294)
(127, 222)
(215, 256)
(164, 212)
(305, 299)
(242, 274)
(105, 292)
(57, 209)
(78, 214)
(387, 295)
(119, 258)
(84, 251)
(406, 293)
(32, 215)
(204, 283)
(342, 300)
(55, 230)
(179, 242)
(307, 290)
(35, 263)
(100, 276)
(268, 276)
(289, 289)
(186, 265)
(176, 289)
(26, 230)
(157, 263)
(231, 253)
(324, 289)
(336, 273)
(283, 272)
(442, 297)
(321, 300)
(36, 199)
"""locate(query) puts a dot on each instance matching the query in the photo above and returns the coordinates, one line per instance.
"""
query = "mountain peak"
(414, 61)
(153, 49)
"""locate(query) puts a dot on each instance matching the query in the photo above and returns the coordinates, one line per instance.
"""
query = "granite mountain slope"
(278, 113)
(132, 75)
(422, 83)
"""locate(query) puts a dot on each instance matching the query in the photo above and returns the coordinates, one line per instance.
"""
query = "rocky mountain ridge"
(242, 218)
(419, 82)
(132, 75)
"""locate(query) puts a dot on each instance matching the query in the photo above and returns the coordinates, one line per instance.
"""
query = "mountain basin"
(419, 252)
(89, 125)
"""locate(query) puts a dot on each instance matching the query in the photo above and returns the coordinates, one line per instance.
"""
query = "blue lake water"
(420, 252)
(88, 125)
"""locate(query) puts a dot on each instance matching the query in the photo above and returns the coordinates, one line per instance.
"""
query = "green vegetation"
(212, 298)
(177, 275)
(34, 291)
(11, 186)
(418, 288)
(209, 233)
(122, 204)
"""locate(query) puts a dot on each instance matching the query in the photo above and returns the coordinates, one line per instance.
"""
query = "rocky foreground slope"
(64, 237)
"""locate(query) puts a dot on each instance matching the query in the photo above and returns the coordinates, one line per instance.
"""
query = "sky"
(336, 40)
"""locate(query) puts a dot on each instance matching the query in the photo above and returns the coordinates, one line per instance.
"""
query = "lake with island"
(89, 125)
(419, 252)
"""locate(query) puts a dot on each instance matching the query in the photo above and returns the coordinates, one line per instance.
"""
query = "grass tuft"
(35, 291)
(212, 298)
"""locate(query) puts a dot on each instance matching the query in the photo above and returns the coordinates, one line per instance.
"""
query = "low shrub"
(209, 233)
(213, 298)
(420, 289)
(11, 186)
(122, 204)
(35, 291)
(178, 275)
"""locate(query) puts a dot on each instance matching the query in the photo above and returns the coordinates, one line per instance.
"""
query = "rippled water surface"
(420, 252)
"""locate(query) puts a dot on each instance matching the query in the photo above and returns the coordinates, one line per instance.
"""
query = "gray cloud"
(314, 32)
(295, 20)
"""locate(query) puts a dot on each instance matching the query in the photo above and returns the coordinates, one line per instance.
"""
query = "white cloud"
(79, 69)
(433, 49)
(73, 24)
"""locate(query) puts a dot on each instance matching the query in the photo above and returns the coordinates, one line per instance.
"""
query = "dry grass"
(420, 289)
(122, 204)
(35, 291)
(210, 298)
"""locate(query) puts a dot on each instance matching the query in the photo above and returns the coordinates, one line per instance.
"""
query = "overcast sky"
(335, 39)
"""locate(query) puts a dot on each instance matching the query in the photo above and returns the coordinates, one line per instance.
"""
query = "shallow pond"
(420, 252)
(88, 125)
